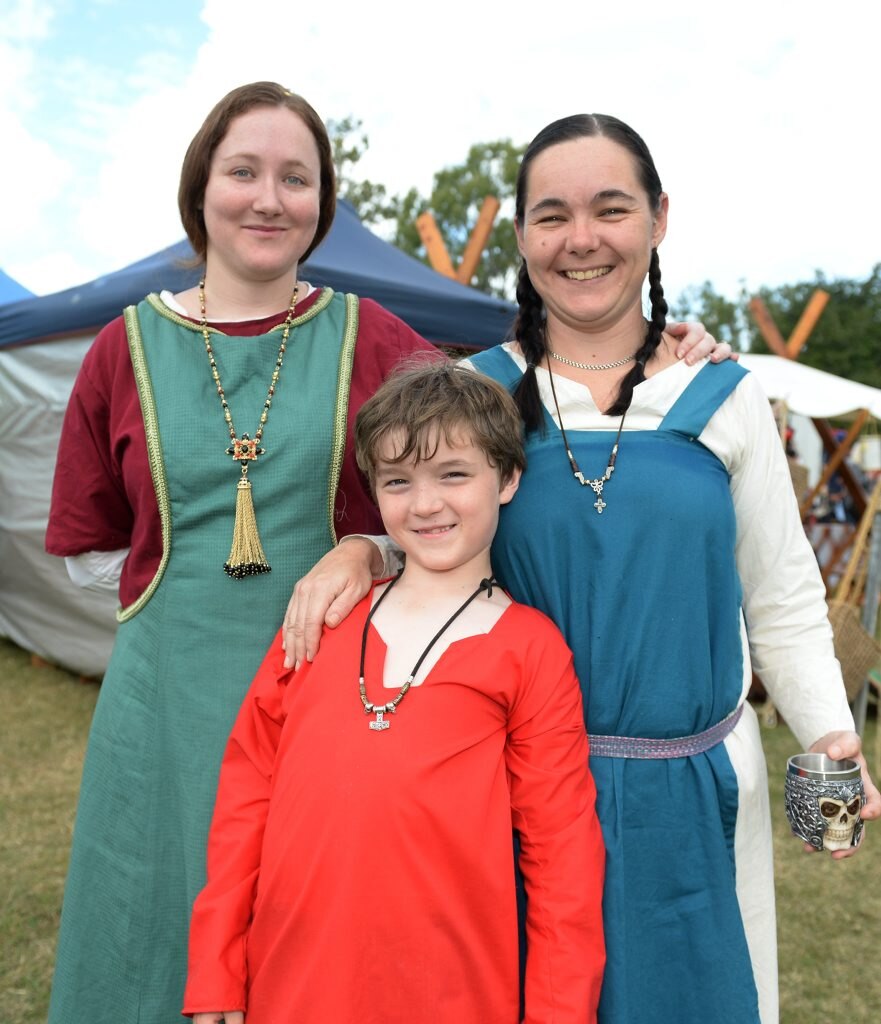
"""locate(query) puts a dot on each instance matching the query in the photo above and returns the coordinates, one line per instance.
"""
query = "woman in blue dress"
(657, 525)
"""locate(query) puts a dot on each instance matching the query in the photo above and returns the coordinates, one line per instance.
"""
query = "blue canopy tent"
(42, 343)
(350, 259)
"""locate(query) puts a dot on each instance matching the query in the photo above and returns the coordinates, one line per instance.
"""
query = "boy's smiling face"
(442, 511)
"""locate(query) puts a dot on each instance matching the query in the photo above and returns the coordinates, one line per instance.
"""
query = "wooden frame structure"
(832, 553)
(439, 257)
(851, 565)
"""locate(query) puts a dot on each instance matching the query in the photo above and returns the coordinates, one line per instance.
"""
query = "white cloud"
(27, 21)
(36, 172)
(760, 116)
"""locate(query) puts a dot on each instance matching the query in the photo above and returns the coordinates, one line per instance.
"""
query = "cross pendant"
(380, 722)
(597, 487)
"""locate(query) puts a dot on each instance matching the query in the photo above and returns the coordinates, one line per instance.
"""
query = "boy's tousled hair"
(421, 403)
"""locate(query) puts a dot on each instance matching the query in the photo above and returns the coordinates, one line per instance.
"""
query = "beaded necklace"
(592, 366)
(246, 556)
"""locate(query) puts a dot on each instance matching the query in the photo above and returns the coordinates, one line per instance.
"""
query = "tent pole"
(836, 462)
(871, 596)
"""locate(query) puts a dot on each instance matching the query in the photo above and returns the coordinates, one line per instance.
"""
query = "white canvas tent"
(812, 394)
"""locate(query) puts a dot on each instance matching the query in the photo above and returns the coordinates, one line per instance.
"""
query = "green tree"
(724, 318)
(349, 142)
(846, 340)
(458, 192)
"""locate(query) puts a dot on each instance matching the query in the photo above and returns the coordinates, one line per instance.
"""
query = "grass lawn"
(829, 912)
(45, 715)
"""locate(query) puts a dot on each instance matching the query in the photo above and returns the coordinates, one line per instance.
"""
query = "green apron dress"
(187, 649)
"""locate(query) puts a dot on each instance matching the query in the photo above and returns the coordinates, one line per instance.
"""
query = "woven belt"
(680, 746)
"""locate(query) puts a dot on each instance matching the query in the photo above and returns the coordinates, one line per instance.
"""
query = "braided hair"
(529, 326)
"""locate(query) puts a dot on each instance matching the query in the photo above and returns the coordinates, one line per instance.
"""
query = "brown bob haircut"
(422, 401)
(200, 152)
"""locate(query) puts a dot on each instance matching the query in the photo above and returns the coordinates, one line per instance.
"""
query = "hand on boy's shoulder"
(274, 662)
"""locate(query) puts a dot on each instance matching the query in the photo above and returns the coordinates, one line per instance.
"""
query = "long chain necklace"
(597, 484)
(592, 366)
(391, 706)
(246, 556)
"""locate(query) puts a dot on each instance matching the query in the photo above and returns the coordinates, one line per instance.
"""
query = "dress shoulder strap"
(691, 412)
(495, 362)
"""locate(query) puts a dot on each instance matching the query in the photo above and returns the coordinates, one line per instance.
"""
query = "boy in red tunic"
(360, 864)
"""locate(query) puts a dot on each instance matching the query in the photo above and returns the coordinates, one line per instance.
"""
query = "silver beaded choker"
(592, 366)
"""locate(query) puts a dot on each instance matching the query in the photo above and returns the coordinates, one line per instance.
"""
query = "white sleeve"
(784, 597)
(97, 570)
(392, 556)
(101, 570)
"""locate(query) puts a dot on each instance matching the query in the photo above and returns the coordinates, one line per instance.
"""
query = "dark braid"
(655, 329)
(529, 332)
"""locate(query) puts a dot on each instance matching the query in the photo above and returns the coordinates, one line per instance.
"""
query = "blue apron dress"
(648, 597)
(187, 649)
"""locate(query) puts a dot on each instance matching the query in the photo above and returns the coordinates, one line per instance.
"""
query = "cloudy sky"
(763, 116)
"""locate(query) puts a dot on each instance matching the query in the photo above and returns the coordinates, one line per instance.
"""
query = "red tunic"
(358, 876)
(103, 497)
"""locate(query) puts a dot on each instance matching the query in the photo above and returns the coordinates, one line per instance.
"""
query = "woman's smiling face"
(261, 200)
(587, 232)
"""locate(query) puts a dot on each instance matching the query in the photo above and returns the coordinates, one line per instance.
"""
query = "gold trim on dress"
(151, 418)
(341, 414)
(318, 306)
(154, 454)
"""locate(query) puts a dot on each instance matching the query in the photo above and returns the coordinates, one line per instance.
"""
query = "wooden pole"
(431, 238)
(477, 240)
(789, 350)
(436, 250)
(853, 485)
(871, 600)
(806, 323)
(843, 590)
(836, 460)
(767, 327)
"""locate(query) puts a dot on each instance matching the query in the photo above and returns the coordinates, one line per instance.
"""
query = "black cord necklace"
(389, 708)
(597, 484)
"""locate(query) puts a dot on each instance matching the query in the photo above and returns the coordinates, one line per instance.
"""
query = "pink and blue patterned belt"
(679, 746)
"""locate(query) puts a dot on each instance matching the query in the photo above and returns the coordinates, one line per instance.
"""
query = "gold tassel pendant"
(246, 557)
